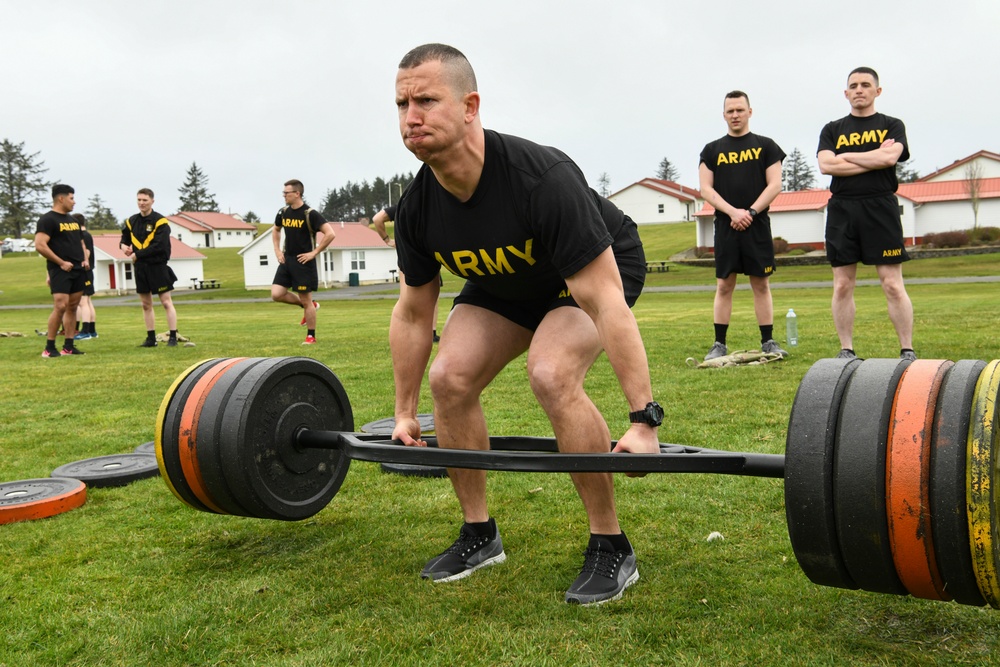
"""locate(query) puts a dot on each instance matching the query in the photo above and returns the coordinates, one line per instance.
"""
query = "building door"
(208, 240)
(111, 275)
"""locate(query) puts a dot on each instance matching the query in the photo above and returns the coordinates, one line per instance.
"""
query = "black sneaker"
(148, 343)
(171, 342)
(72, 351)
(469, 553)
(605, 575)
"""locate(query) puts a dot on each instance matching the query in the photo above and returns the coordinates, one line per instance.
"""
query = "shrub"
(704, 252)
(955, 239)
(780, 245)
(795, 252)
(984, 235)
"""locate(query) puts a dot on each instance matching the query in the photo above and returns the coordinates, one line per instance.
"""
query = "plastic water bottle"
(792, 328)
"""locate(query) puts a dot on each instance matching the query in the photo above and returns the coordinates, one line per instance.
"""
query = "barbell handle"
(530, 454)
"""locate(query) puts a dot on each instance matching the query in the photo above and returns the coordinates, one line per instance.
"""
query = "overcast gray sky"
(118, 95)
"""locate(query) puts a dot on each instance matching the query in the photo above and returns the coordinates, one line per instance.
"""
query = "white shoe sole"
(496, 560)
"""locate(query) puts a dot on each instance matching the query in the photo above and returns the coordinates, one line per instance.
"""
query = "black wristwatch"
(753, 212)
(652, 414)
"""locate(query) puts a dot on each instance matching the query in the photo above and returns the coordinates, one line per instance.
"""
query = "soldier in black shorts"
(146, 239)
(551, 268)
(307, 234)
(58, 240)
(740, 176)
(86, 315)
(863, 224)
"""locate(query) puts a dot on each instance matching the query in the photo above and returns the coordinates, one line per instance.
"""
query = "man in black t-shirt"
(863, 223)
(551, 269)
(58, 240)
(740, 176)
(307, 234)
(146, 239)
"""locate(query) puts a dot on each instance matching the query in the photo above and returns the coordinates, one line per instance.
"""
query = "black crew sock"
(151, 334)
(766, 332)
(720, 332)
(68, 343)
(905, 349)
(173, 334)
(50, 345)
(619, 541)
(92, 328)
(311, 332)
(484, 528)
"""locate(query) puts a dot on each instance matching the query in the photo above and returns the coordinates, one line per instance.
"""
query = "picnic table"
(206, 283)
(660, 266)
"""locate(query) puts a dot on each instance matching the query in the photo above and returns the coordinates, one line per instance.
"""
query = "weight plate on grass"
(907, 481)
(187, 443)
(29, 499)
(266, 470)
(984, 441)
(211, 463)
(168, 432)
(385, 426)
(113, 470)
(859, 475)
(949, 515)
(809, 449)
(147, 448)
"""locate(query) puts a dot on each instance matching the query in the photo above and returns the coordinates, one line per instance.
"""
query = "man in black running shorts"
(740, 176)
(146, 239)
(551, 269)
(58, 240)
(863, 223)
(307, 234)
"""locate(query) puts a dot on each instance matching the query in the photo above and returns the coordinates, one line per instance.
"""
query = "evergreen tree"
(100, 216)
(904, 174)
(22, 189)
(667, 171)
(797, 173)
(604, 184)
(251, 218)
(194, 193)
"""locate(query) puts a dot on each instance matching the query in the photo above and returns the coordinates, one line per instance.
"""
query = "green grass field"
(136, 578)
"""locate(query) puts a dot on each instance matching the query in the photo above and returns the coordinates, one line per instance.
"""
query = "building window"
(659, 208)
(179, 238)
(229, 233)
(328, 262)
(357, 260)
(219, 236)
(128, 271)
(901, 209)
(263, 260)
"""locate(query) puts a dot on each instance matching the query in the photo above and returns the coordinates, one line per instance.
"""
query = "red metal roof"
(670, 188)
(922, 193)
(203, 219)
(959, 163)
(109, 243)
(355, 235)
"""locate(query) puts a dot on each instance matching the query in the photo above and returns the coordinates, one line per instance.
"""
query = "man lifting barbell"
(552, 269)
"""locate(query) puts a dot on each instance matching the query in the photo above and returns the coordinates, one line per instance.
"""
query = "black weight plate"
(949, 448)
(859, 475)
(29, 499)
(809, 454)
(146, 448)
(210, 461)
(113, 470)
(168, 434)
(385, 426)
(410, 470)
(265, 469)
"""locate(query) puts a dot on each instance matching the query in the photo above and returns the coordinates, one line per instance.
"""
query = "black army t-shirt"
(531, 222)
(853, 134)
(300, 237)
(739, 165)
(65, 237)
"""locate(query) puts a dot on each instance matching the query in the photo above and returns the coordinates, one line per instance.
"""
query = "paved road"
(387, 291)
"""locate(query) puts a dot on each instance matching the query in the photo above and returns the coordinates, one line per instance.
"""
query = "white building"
(652, 201)
(356, 249)
(210, 230)
(114, 272)
(988, 164)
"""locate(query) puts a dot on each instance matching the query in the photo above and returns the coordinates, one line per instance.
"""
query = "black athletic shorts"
(297, 277)
(154, 278)
(529, 314)
(864, 230)
(750, 252)
(88, 283)
(66, 282)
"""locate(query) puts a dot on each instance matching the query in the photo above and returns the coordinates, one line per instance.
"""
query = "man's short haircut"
(864, 70)
(736, 94)
(60, 189)
(145, 191)
(297, 184)
(463, 78)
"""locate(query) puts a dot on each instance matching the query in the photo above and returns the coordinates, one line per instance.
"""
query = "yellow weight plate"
(981, 493)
